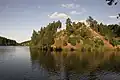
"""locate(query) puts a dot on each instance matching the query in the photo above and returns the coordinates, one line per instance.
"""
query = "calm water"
(21, 63)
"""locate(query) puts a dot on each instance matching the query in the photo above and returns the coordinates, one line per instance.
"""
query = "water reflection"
(77, 65)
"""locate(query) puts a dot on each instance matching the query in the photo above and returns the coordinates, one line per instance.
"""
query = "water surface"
(22, 63)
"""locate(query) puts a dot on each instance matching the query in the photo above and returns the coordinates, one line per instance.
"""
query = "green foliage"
(92, 23)
(34, 37)
(7, 42)
(26, 43)
(115, 42)
(106, 38)
(99, 42)
(72, 41)
(76, 33)
(69, 26)
(91, 44)
(84, 32)
(77, 25)
(45, 37)
(115, 28)
(108, 31)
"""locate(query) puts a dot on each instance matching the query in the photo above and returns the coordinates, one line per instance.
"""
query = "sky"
(18, 18)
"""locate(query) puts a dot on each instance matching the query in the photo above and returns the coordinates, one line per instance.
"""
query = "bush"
(106, 38)
(72, 41)
(99, 42)
(118, 42)
(113, 42)
(88, 41)
(85, 32)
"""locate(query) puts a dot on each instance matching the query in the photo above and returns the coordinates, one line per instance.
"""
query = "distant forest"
(7, 42)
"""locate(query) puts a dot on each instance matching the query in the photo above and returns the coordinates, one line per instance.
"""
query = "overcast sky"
(18, 18)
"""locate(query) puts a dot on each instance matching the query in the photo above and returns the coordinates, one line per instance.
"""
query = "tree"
(59, 24)
(34, 37)
(74, 24)
(79, 24)
(113, 2)
(45, 37)
(89, 20)
(68, 24)
(7, 42)
(92, 23)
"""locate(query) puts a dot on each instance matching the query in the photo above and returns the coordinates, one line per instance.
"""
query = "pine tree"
(68, 24)
(34, 37)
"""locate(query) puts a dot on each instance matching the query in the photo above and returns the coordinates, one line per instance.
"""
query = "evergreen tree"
(45, 37)
(68, 24)
(34, 37)
(7, 42)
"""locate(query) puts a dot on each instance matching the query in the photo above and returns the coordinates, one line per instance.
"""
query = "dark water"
(22, 63)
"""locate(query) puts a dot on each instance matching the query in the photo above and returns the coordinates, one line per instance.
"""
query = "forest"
(7, 42)
(93, 35)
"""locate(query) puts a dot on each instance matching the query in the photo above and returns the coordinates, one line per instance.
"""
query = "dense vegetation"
(90, 36)
(25, 43)
(45, 37)
(110, 32)
(7, 42)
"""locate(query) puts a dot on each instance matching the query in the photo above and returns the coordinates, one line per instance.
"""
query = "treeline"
(7, 42)
(45, 37)
(76, 33)
(110, 32)
(25, 43)
(80, 36)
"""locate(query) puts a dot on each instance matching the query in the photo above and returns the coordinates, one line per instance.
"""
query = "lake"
(22, 63)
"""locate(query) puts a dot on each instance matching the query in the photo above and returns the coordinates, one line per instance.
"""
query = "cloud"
(112, 16)
(75, 12)
(76, 21)
(83, 21)
(80, 12)
(56, 15)
(70, 6)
